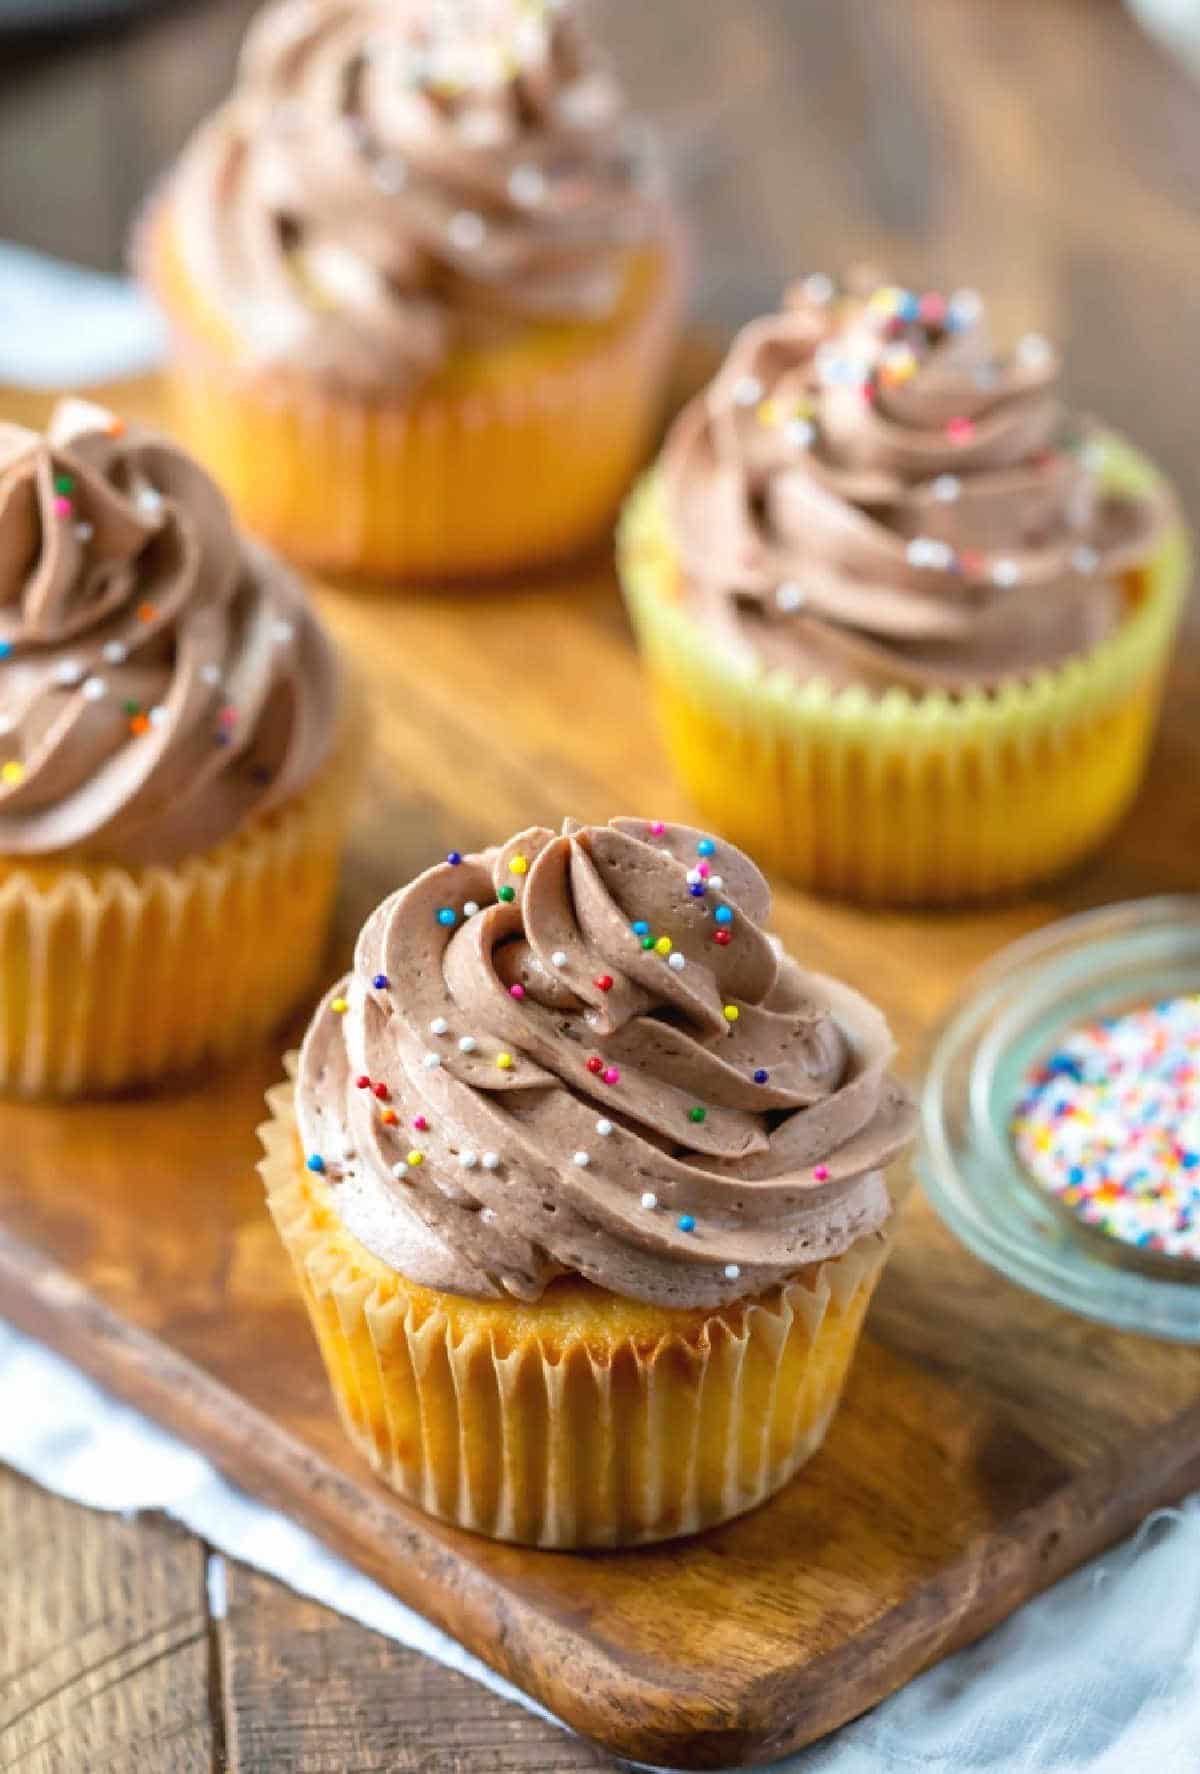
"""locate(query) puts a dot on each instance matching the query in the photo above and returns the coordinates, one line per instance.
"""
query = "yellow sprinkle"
(768, 413)
(886, 299)
(339, 1006)
(13, 771)
(731, 1013)
(504, 1061)
(415, 1157)
(663, 945)
(518, 864)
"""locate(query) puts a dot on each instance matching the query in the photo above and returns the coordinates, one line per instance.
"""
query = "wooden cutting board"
(987, 1443)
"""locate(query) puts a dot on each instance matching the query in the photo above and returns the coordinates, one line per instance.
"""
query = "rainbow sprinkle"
(1110, 1126)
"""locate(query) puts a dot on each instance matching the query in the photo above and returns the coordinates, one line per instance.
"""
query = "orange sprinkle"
(388, 1117)
(115, 427)
(147, 612)
(139, 725)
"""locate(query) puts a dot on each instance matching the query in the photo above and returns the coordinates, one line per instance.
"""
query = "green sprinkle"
(507, 894)
(132, 708)
(63, 484)
(647, 942)
(697, 1114)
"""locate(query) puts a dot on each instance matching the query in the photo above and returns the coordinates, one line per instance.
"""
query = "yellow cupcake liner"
(594, 1422)
(902, 799)
(111, 976)
(508, 460)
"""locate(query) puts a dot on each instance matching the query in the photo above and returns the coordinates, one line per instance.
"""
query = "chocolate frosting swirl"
(390, 178)
(578, 1053)
(870, 495)
(160, 678)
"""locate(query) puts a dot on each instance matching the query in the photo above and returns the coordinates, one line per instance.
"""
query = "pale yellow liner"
(504, 463)
(577, 1440)
(112, 976)
(895, 798)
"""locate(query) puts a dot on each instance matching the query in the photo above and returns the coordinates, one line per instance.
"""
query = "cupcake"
(906, 617)
(423, 285)
(172, 783)
(583, 1181)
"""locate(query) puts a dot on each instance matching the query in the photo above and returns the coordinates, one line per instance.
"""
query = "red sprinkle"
(595, 1064)
(721, 936)
(382, 1092)
(364, 1083)
(603, 982)
(960, 431)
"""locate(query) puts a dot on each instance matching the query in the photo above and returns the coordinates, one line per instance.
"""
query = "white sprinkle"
(732, 1271)
(947, 487)
(1085, 559)
(115, 652)
(283, 631)
(790, 596)
(94, 689)
(694, 877)
(468, 1160)
(582, 1159)
(390, 174)
(604, 1128)
(210, 674)
(818, 288)
(676, 962)
(491, 1160)
(467, 1044)
(84, 532)
(965, 307)
(1005, 572)
(470, 909)
(1092, 457)
(716, 882)
(438, 1026)
(927, 551)
(649, 1200)
(149, 500)
(527, 185)
(158, 715)
(400, 1170)
(465, 231)
(800, 433)
(747, 391)
(1033, 352)
(432, 1061)
(559, 957)
(68, 671)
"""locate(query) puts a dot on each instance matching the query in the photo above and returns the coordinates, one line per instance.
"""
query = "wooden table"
(1041, 150)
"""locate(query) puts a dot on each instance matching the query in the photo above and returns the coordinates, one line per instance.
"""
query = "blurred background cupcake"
(173, 764)
(583, 1179)
(422, 284)
(906, 617)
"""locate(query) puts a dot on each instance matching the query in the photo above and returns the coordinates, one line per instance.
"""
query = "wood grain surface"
(1043, 151)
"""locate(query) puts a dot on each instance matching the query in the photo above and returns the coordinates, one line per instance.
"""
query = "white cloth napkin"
(1100, 1676)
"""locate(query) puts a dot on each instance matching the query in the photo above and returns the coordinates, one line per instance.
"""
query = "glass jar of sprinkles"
(1060, 1115)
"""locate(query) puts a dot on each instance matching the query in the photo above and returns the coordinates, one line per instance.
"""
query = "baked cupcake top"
(868, 493)
(392, 177)
(582, 1053)
(161, 678)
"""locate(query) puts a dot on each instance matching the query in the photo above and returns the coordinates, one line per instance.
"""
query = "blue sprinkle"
(697, 889)
(447, 916)
(6, 648)
(686, 1223)
(641, 928)
(909, 308)
(760, 1077)
(1075, 1174)
(723, 915)
(705, 847)
(316, 1162)
(454, 858)
(381, 982)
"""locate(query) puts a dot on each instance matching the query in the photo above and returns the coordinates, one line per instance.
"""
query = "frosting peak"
(159, 678)
(869, 493)
(582, 1052)
(389, 179)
